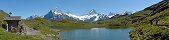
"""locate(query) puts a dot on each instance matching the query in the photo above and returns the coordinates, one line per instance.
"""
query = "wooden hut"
(12, 23)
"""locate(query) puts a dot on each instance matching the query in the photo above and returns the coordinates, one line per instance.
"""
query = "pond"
(95, 34)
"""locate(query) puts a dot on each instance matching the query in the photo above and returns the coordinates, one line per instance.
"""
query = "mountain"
(91, 16)
(54, 14)
(111, 14)
(127, 13)
(34, 16)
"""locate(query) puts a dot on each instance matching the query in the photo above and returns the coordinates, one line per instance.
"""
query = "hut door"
(12, 25)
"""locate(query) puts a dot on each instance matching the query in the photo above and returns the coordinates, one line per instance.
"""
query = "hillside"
(2, 15)
(154, 25)
(71, 24)
(151, 15)
(126, 20)
(154, 15)
(43, 26)
(150, 23)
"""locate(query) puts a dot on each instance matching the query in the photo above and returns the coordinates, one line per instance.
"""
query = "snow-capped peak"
(57, 11)
(133, 12)
(92, 16)
(68, 13)
(111, 14)
(33, 16)
(92, 12)
(127, 13)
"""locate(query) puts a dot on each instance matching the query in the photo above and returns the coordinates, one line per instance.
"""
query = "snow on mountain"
(127, 12)
(56, 14)
(111, 14)
(92, 12)
(92, 16)
(33, 16)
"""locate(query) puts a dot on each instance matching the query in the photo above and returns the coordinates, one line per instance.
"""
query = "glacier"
(92, 16)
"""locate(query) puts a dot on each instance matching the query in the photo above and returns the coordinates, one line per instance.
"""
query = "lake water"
(95, 34)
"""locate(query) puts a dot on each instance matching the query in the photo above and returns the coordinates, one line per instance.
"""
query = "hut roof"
(13, 18)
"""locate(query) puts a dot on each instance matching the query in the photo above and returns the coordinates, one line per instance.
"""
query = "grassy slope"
(125, 20)
(42, 25)
(159, 13)
(152, 14)
(4, 35)
(156, 15)
(158, 18)
(2, 15)
(150, 33)
(71, 24)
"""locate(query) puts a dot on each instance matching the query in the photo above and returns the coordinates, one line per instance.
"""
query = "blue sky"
(26, 8)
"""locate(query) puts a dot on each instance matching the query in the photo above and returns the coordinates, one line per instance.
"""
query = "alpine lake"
(95, 34)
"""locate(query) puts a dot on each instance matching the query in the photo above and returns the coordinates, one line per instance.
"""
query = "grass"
(42, 26)
(151, 27)
(150, 33)
(4, 35)
(72, 24)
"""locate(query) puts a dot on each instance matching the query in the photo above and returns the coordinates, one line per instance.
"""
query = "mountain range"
(92, 16)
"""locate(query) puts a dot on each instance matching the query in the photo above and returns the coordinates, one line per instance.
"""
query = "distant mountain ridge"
(92, 16)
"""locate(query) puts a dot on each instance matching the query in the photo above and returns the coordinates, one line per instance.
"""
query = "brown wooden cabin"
(12, 23)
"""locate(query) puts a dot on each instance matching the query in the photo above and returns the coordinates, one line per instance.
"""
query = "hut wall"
(12, 24)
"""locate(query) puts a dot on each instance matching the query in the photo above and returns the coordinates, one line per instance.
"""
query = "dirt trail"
(138, 38)
(30, 31)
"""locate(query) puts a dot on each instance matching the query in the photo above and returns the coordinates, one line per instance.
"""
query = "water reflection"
(95, 34)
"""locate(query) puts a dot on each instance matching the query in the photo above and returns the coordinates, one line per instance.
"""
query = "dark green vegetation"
(116, 21)
(71, 24)
(37, 23)
(154, 24)
(150, 33)
(125, 20)
(158, 16)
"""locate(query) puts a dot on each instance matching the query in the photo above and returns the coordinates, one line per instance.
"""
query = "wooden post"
(7, 27)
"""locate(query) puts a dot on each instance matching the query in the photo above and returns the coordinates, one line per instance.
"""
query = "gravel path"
(138, 38)
(30, 31)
